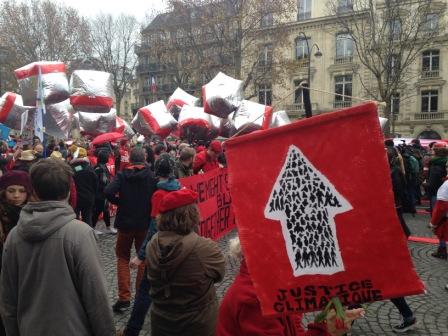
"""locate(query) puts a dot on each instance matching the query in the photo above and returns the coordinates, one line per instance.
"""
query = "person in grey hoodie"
(52, 281)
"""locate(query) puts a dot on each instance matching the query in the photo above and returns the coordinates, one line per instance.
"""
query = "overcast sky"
(138, 8)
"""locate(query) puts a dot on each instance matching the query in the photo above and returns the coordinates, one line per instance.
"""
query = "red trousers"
(123, 253)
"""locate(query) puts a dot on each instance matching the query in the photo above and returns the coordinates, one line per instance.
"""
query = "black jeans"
(101, 206)
(86, 213)
(404, 226)
(403, 308)
(141, 307)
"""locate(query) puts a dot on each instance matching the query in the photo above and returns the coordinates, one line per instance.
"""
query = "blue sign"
(4, 132)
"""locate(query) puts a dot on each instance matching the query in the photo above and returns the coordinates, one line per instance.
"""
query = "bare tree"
(42, 31)
(198, 38)
(113, 42)
(389, 38)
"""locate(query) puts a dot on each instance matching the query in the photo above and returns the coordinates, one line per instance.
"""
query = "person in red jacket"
(240, 312)
(439, 221)
(207, 160)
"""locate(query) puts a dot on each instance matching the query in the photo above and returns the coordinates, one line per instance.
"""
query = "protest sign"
(214, 202)
(316, 214)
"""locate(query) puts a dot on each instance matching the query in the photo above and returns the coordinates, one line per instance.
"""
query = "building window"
(345, 6)
(431, 23)
(394, 65)
(265, 94)
(431, 61)
(430, 101)
(395, 103)
(267, 20)
(343, 89)
(301, 48)
(394, 30)
(265, 59)
(304, 10)
(344, 48)
(298, 94)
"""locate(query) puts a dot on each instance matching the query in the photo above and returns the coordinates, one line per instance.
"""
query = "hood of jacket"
(82, 161)
(136, 172)
(170, 249)
(439, 161)
(169, 185)
(39, 220)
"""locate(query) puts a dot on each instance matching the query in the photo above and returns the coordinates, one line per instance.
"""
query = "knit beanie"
(15, 177)
(164, 166)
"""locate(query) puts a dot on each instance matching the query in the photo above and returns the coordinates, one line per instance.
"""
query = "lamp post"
(306, 91)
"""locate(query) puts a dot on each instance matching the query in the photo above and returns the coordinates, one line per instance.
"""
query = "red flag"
(153, 85)
(316, 215)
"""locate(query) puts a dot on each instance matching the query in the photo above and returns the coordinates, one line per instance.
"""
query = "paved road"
(430, 309)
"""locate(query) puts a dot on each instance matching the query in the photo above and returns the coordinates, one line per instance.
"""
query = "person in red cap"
(207, 160)
(182, 269)
(240, 311)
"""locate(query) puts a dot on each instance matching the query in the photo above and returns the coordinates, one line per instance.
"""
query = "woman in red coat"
(240, 312)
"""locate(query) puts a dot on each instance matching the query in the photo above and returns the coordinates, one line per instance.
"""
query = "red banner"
(214, 202)
(316, 214)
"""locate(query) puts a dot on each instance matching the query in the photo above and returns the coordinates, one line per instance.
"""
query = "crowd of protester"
(52, 281)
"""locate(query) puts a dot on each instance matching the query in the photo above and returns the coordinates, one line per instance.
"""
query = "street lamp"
(306, 91)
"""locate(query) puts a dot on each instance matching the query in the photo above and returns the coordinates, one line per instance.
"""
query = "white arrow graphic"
(306, 202)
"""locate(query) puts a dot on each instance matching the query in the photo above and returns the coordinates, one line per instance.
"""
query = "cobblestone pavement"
(430, 309)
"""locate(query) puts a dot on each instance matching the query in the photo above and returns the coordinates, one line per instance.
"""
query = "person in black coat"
(437, 171)
(131, 190)
(399, 189)
(101, 203)
(86, 182)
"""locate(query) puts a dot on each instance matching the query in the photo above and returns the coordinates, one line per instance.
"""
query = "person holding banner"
(208, 159)
(240, 311)
(182, 269)
(184, 165)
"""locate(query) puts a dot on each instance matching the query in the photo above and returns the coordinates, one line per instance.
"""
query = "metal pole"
(306, 91)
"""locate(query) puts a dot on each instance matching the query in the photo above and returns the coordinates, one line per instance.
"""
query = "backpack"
(411, 167)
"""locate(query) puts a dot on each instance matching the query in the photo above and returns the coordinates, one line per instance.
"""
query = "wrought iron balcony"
(298, 110)
(139, 48)
(302, 63)
(304, 16)
(343, 60)
(152, 67)
(430, 73)
(431, 116)
(342, 103)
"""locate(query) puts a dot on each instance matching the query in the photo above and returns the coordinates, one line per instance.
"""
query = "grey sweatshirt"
(52, 282)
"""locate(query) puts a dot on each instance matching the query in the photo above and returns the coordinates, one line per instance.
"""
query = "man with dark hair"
(52, 272)
(131, 190)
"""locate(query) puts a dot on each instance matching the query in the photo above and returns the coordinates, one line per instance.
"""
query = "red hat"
(200, 149)
(15, 177)
(216, 146)
(177, 199)
(439, 145)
